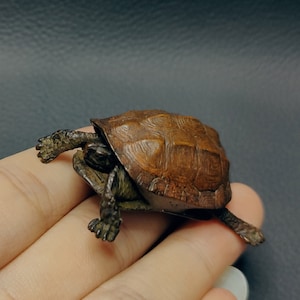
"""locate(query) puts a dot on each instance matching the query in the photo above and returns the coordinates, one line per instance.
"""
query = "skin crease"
(46, 251)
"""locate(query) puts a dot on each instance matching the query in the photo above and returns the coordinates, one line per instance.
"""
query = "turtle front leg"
(107, 226)
(60, 141)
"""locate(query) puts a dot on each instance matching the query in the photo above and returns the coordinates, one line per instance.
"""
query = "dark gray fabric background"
(233, 64)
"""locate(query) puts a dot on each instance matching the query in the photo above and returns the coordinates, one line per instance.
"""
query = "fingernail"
(235, 281)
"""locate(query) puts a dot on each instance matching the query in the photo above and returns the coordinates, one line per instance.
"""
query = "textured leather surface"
(236, 66)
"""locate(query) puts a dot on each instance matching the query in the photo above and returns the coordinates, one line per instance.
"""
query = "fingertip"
(219, 293)
(246, 204)
(234, 281)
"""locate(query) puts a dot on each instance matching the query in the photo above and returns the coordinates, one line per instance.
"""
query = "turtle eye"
(99, 157)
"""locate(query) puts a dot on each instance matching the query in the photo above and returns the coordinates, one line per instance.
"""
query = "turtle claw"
(252, 236)
(105, 230)
(45, 153)
(51, 146)
(58, 142)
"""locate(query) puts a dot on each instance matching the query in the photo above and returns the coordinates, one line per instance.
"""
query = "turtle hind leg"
(249, 233)
(60, 141)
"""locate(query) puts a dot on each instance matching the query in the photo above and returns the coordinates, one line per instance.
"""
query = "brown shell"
(170, 155)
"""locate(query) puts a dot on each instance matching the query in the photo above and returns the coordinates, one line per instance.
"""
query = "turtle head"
(100, 157)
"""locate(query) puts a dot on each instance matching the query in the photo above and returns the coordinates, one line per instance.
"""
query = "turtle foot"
(107, 231)
(249, 233)
(52, 145)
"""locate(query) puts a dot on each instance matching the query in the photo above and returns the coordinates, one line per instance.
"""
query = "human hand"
(46, 251)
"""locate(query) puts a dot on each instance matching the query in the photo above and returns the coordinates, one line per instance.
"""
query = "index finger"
(33, 197)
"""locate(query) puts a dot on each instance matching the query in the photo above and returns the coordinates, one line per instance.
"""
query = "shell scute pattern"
(170, 155)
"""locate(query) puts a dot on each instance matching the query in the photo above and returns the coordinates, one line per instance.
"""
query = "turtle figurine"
(151, 160)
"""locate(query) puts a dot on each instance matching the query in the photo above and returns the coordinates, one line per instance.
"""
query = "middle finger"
(68, 262)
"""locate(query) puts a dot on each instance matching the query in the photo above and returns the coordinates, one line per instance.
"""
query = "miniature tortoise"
(151, 160)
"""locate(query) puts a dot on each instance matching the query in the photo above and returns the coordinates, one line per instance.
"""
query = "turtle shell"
(170, 155)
